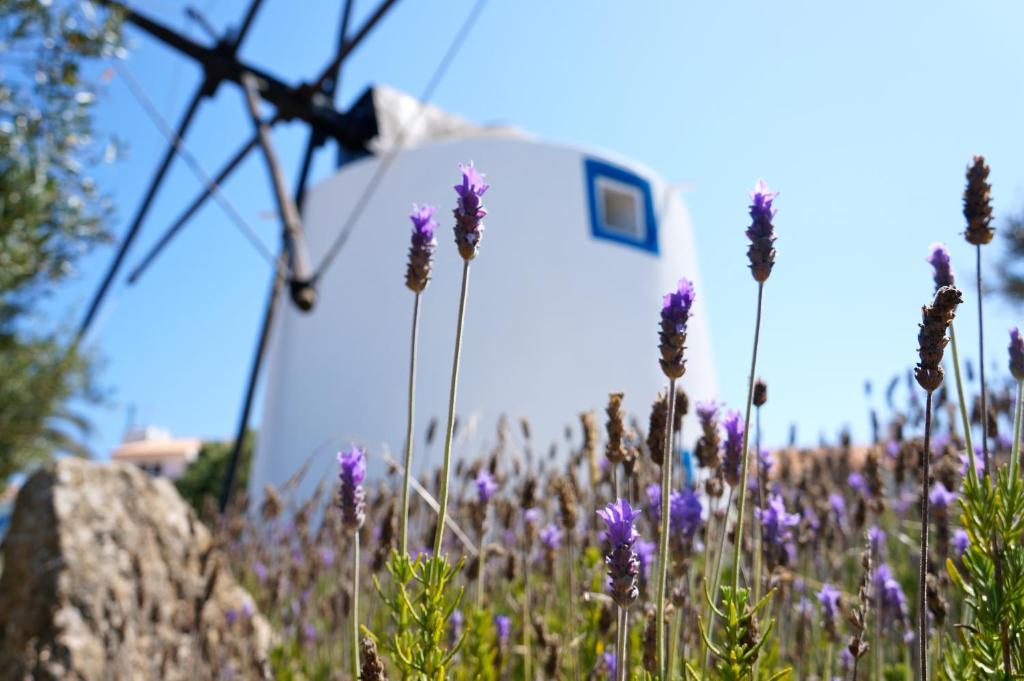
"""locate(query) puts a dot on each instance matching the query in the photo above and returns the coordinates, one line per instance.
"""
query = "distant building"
(156, 452)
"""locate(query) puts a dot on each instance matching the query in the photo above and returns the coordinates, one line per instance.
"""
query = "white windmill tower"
(563, 303)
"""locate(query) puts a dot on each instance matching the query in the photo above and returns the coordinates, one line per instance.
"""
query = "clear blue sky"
(864, 116)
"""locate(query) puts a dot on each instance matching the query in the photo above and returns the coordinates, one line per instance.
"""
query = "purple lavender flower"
(846, 660)
(837, 505)
(619, 518)
(551, 537)
(776, 522)
(486, 486)
(532, 516)
(829, 598)
(979, 463)
(707, 413)
(421, 249)
(1016, 354)
(623, 564)
(857, 482)
(685, 514)
(646, 551)
(889, 594)
(608, 658)
(455, 624)
(940, 497)
(231, 616)
(960, 541)
(877, 538)
(761, 232)
(469, 213)
(351, 495)
(653, 491)
(503, 625)
(675, 313)
(733, 458)
(938, 258)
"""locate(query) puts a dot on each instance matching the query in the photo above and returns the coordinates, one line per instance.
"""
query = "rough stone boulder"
(108, 574)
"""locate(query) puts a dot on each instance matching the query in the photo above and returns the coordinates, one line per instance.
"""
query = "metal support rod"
(302, 291)
(254, 370)
(196, 204)
(140, 213)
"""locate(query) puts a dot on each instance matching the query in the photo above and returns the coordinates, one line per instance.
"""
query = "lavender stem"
(738, 543)
(922, 604)
(355, 605)
(972, 472)
(666, 491)
(449, 431)
(981, 371)
(1018, 416)
(403, 532)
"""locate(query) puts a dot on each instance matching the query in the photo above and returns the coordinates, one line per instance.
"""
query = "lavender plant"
(623, 568)
(417, 275)
(469, 228)
(929, 374)
(544, 600)
(991, 566)
(352, 504)
(675, 314)
(978, 213)
(939, 259)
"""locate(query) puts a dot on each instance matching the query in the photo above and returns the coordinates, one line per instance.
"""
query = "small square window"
(621, 209)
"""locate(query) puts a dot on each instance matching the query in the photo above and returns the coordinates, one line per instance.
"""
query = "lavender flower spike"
(938, 258)
(675, 313)
(469, 213)
(623, 564)
(829, 597)
(486, 486)
(761, 232)
(707, 446)
(421, 248)
(733, 459)
(351, 495)
(1016, 354)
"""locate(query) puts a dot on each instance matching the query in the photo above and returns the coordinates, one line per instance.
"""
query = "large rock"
(107, 574)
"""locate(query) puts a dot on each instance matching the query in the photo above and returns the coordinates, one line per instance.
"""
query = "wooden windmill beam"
(205, 89)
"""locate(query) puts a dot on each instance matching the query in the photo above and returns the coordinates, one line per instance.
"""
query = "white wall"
(555, 320)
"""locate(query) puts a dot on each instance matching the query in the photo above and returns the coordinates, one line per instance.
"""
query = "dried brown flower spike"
(616, 450)
(932, 337)
(656, 429)
(760, 392)
(978, 204)
(373, 666)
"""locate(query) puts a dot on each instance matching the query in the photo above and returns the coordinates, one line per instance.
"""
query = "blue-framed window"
(621, 207)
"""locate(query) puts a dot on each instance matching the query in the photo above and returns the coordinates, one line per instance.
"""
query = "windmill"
(310, 102)
(615, 235)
